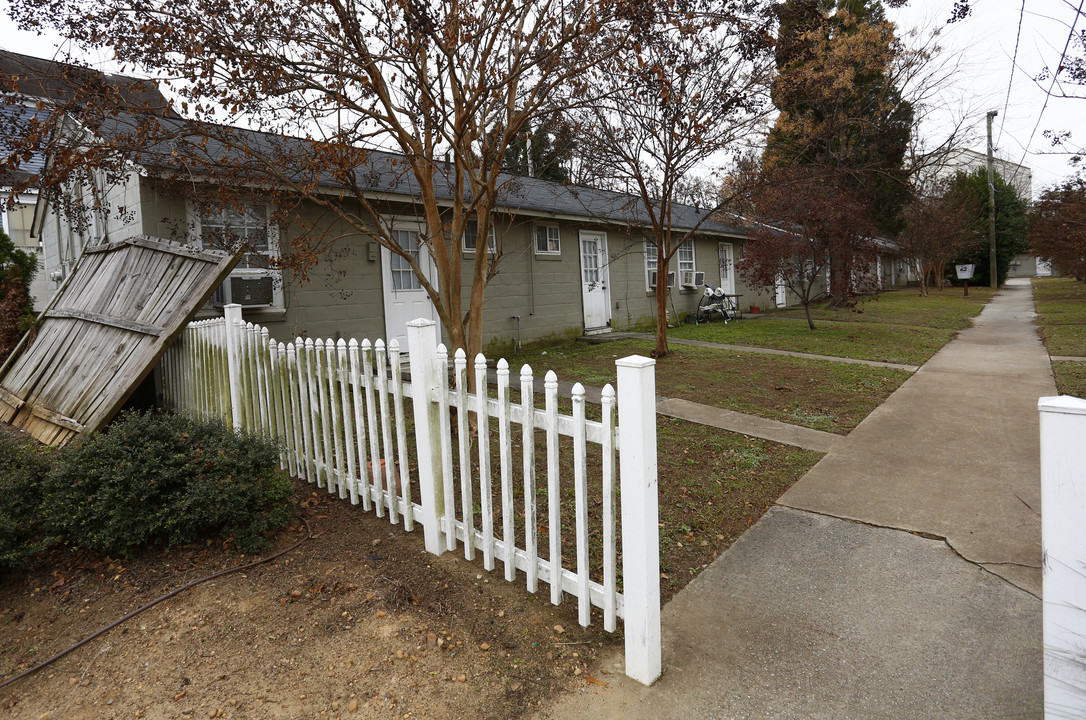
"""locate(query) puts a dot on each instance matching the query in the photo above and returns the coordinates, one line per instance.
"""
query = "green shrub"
(159, 479)
(24, 467)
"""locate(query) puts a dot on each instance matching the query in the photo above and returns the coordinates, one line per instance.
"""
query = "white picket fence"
(338, 410)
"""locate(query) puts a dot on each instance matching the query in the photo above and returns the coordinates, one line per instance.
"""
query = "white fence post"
(422, 344)
(1063, 541)
(232, 314)
(640, 516)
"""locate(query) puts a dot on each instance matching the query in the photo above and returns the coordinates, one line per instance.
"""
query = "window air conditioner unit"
(670, 279)
(245, 291)
(692, 279)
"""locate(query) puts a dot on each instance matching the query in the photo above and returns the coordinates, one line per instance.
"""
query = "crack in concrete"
(928, 536)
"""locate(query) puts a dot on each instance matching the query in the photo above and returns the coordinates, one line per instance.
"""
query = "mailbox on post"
(965, 274)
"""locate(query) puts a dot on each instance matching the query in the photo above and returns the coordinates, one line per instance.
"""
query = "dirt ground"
(357, 622)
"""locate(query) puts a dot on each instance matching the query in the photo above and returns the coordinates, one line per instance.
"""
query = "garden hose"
(156, 601)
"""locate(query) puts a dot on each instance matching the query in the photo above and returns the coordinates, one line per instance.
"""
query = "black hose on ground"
(156, 601)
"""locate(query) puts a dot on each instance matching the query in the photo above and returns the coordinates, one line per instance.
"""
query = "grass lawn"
(1061, 313)
(897, 326)
(818, 394)
(713, 486)
(1070, 378)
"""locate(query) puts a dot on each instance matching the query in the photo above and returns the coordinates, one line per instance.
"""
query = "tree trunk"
(840, 280)
(810, 320)
(661, 311)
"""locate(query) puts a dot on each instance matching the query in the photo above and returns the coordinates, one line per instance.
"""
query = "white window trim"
(491, 240)
(693, 258)
(558, 239)
(278, 297)
(675, 265)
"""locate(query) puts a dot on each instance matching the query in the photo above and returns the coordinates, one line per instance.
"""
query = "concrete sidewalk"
(848, 603)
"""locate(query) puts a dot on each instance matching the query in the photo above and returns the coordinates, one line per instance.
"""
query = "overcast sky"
(986, 41)
(984, 44)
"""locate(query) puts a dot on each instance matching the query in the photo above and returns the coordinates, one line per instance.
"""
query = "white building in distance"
(958, 160)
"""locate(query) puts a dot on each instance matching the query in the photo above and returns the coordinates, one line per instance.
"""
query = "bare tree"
(696, 88)
(937, 230)
(328, 82)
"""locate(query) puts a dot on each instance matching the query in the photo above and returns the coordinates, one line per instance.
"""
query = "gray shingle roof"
(174, 139)
(386, 173)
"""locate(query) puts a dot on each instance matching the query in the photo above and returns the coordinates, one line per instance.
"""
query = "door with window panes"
(594, 295)
(405, 298)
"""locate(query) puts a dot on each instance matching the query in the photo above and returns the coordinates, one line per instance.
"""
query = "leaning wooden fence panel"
(340, 412)
(103, 333)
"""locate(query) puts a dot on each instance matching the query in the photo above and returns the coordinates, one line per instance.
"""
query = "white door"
(726, 259)
(594, 295)
(405, 298)
(782, 293)
(1044, 268)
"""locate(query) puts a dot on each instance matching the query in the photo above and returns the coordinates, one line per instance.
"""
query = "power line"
(1014, 66)
(1055, 76)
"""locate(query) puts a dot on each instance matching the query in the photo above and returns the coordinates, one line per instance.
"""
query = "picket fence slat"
(554, 527)
(527, 439)
(388, 471)
(466, 494)
(337, 410)
(505, 460)
(446, 445)
(401, 431)
(580, 495)
(361, 483)
(486, 493)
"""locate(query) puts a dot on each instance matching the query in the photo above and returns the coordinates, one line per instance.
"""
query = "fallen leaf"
(594, 681)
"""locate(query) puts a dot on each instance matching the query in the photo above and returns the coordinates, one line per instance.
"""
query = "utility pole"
(992, 273)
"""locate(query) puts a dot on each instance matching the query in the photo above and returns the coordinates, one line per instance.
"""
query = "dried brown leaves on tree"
(807, 220)
(1058, 227)
(324, 84)
(839, 90)
(937, 230)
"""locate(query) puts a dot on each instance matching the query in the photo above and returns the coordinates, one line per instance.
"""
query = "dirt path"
(357, 622)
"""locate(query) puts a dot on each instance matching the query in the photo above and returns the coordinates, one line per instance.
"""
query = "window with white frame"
(548, 240)
(685, 257)
(254, 282)
(240, 227)
(650, 262)
(471, 238)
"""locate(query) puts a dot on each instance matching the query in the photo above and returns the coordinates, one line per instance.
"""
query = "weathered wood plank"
(116, 322)
(95, 344)
(211, 256)
(56, 418)
(11, 399)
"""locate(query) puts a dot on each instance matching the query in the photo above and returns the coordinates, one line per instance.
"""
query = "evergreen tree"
(840, 109)
(17, 269)
(1011, 224)
(549, 153)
